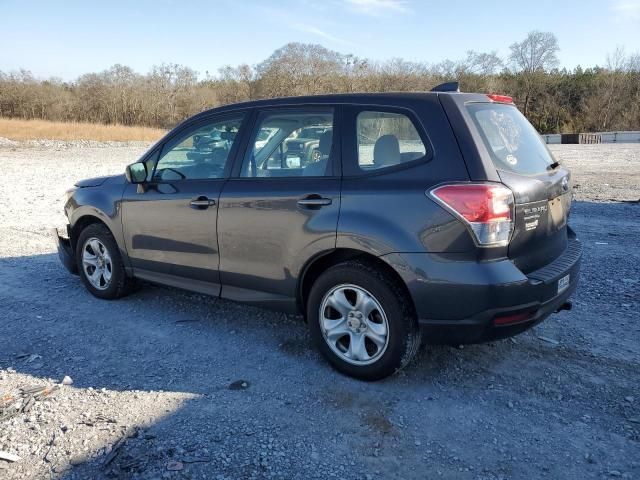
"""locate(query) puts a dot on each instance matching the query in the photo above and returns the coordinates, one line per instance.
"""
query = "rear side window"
(291, 143)
(387, 139)
(512, 141)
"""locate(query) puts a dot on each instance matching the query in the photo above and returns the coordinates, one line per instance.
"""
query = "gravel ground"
(169, 384)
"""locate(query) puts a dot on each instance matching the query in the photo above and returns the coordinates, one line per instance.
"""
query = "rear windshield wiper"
(553, 165)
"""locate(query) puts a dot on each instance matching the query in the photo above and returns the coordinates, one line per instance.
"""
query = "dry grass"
(15, 129)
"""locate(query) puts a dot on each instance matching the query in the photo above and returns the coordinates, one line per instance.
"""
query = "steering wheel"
(177, 172)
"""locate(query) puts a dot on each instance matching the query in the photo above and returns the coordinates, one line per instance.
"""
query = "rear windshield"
(512, 141)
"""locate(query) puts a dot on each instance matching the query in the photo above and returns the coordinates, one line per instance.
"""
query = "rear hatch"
(541, 186)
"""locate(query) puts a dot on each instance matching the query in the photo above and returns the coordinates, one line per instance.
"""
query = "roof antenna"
(447, 87)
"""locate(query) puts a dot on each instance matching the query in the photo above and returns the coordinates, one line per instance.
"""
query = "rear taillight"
(487, 208)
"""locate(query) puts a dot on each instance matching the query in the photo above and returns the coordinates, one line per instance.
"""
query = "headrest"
(386, 151)
(325, 142)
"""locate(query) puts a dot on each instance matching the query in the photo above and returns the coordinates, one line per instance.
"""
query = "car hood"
(97, 181)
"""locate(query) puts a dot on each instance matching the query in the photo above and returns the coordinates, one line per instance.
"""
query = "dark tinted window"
(512, 141)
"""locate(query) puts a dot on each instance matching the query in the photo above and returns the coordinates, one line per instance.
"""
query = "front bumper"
(65, 250)
(458, 302)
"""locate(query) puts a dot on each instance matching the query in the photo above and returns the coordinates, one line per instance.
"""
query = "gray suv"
(439, 216)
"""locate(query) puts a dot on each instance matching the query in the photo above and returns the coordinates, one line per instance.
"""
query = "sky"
(68, 38)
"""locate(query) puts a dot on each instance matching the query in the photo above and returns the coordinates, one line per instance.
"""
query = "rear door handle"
(314, 201)
(202, 202)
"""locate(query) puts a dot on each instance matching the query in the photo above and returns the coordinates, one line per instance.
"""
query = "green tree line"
(555, 100)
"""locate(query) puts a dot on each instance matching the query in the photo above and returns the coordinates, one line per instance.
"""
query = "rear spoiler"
(447, 87)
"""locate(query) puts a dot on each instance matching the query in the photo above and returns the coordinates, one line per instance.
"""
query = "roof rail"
(447, 87)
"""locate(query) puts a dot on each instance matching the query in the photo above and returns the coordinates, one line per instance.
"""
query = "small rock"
(9, 457)
(67, 380)
(175, 466)
(418, 443)
(614, 473)
(510, 404)
(31, 358)
(239, 385)
(629, 399)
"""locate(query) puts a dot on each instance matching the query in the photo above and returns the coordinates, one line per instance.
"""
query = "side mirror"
(136, 173)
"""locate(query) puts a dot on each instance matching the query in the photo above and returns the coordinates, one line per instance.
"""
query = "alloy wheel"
(96, 263)
(354, 324)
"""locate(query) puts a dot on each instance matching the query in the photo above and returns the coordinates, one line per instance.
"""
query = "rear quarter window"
(512, 142)
(386, 139)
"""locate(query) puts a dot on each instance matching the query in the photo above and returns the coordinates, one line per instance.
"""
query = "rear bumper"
(65, 251)
(458, 301)
(481, 328)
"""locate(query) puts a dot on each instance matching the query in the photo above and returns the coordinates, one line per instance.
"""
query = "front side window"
(387, 139)
(200, 153)
(291, 144)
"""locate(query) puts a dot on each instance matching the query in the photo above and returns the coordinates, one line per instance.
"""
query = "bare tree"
(235, 84)
(600, 99)
(535, 55)
(483, 64)
(299, 69)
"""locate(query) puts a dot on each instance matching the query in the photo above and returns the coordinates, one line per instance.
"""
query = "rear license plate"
(563, 283)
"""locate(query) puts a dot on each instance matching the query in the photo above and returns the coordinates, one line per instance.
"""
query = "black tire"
(404, 336)
(120, 284)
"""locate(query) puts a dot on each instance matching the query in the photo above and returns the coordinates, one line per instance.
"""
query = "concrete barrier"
(552, 138)
(600, 137)
(620, 137)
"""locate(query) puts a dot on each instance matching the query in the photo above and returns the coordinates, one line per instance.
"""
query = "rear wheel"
(362, 321)
(100, 263)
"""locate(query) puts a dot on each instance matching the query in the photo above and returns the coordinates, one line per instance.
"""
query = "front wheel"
(361, 321)
(100, 264)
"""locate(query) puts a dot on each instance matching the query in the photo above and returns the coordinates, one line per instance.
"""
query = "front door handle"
(314, 201)
(202, 202)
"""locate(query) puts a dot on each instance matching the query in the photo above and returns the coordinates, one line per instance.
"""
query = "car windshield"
(265, 134)
(311, 133)
(512, 141)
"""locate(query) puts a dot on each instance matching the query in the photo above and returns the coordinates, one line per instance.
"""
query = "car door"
(169, 222)
(281, 205)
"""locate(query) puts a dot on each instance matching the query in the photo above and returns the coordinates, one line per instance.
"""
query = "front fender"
(103, 203)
